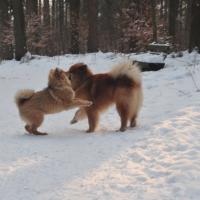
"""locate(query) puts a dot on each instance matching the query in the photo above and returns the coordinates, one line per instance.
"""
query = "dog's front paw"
(73, 121)
(90, 130)
(40, 133)
(122, 129)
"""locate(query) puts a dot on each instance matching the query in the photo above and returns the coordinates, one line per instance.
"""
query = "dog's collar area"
(58, 88)
(83, 85)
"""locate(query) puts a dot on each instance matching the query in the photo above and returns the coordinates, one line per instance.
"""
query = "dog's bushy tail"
(129, 69)
(132, 71)
(23, 95)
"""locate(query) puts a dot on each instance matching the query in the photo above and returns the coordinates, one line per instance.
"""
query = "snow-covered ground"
(160, 159)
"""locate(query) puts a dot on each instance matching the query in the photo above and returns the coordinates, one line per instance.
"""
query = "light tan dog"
(57, 97)
(122, 86)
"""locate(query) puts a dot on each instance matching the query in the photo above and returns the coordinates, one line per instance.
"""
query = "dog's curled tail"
(23, 95)
(129, 69)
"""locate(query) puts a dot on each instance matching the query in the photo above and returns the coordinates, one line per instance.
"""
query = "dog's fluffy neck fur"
(55, 92)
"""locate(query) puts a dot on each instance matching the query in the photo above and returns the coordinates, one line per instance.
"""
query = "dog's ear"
(84, 65)
(51, 73)
(83, 68)
(57, 72)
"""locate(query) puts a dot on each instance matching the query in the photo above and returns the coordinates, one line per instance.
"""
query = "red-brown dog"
(122, 86)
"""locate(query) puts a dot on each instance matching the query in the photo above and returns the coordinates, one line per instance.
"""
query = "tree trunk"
(31, 7)
(19, 29)
(194, 38)
(61, 26)
(5, 32)
(66, 27)
(161, 8)
(173, 12)
(74, 25)
(93, 26)
(39, 7)
(46, 14)
(83, 26)
(154, 23)
(109, 23)
(166, 11)
(53, 14)
(187, 23)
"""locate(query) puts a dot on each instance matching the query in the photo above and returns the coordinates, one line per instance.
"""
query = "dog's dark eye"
(70, 76)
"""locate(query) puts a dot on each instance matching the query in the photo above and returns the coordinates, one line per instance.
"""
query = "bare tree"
(5, 32)
(194, 38)
(39, 7)
(154, 23)
(31, 7)
(83, 26)
(66, 26)
(19, 29)
(46, 13)
(74, 25)
(61, 26)
(173, 12)
(54, 27)
(93, 26)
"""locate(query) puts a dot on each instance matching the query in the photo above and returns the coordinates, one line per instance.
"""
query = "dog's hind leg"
(35, 120)
(28, 128)
(33, 130)
(123, 113)
(36, 132)
(133, 121)
(93, 119)
(135, 105)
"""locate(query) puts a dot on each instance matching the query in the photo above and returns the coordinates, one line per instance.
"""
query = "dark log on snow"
(145, 66)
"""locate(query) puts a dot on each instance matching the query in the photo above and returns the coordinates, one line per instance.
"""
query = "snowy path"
(160, 159)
